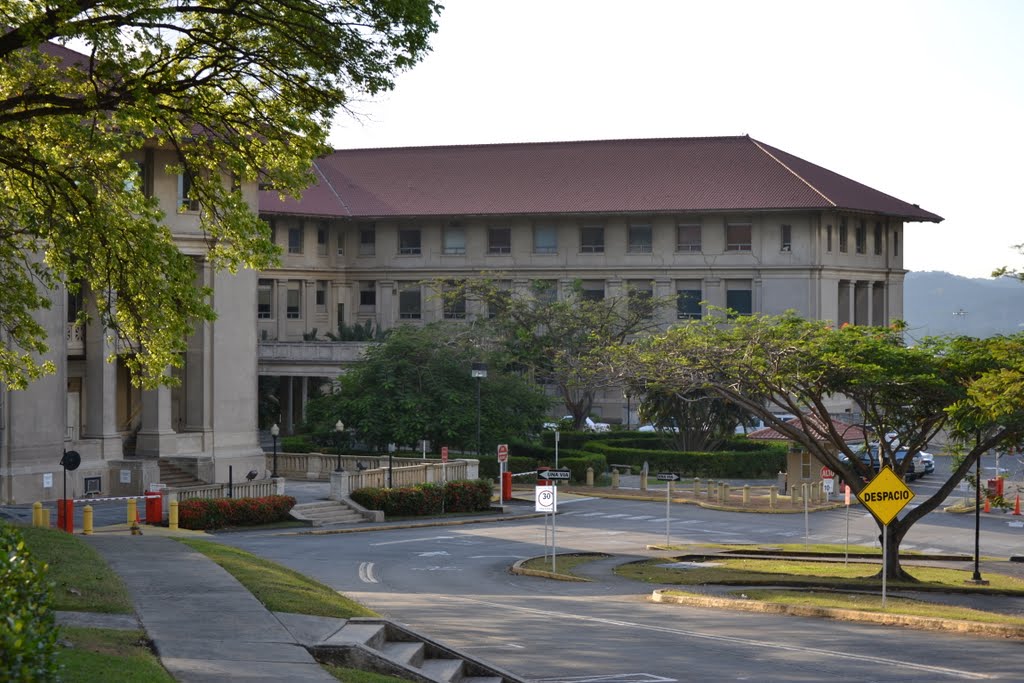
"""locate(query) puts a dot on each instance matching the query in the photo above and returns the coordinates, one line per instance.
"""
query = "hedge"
(297, 444)
(28, 629)
(763, 463)
(489, 467)
(217, 513)
(426, 499)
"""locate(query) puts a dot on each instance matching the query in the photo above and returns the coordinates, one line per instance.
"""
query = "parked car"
(929, 462)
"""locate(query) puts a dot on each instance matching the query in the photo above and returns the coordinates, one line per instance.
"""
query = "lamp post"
(391, 453)
(976, 578)
(339, 427)
(625, 395)
(478, 372)
(274, 431)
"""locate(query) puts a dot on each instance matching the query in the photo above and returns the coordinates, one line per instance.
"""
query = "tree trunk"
(894, 571)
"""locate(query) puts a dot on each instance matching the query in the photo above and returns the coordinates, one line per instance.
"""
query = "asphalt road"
(453, 583)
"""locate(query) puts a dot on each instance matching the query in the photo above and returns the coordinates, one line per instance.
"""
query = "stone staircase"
(175, 477)
(390, 648)
(324, 512)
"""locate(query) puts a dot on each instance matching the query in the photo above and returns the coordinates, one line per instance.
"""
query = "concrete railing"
(344, 483)
(318, 467)
(245, 489)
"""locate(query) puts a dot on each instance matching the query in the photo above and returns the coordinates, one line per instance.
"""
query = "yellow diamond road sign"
(885, 495)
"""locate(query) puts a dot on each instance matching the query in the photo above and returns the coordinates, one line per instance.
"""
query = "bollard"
(37, 514)
(87, 520)
(66, 514)
(711, 486)
(723, 494)
(773, 497)
(172, 516)
(590, 476)
(746, 494)
(794, 494)
(805, 491)
(696, 486)
(132, 515)
(44, 518)
(506, 485)
(643, 480)
(615, 478)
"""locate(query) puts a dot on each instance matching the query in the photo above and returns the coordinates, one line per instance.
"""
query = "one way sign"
(668, 476)
(554, 474)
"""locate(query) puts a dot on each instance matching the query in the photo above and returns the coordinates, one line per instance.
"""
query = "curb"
(518, 569)
(704, 504)
(412, 525)
(923, 623)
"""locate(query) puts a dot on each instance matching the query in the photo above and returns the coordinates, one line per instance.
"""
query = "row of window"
(640, 239)
(689, 294)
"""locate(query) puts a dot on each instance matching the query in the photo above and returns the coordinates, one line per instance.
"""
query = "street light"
(339, 427)
(625, 395)
(274, 431)
(478, 372)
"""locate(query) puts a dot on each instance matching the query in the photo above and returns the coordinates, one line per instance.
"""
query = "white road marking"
(435, 568)
(615, 516)
(591, 514)
(639, 517)
(414, 540)
(859, 657)
(433, 553)
(366, 573)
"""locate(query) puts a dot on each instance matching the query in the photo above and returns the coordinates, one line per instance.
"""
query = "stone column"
(156, 437)
(100, 387)
(198, 368)
(309, 306)
(281, 309)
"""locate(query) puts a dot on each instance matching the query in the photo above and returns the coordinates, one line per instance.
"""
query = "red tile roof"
(850, 433)
(596, 177)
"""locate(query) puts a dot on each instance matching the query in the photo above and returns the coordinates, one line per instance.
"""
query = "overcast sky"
(919, 99)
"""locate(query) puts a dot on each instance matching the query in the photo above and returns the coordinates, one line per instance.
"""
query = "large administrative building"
(727, 222)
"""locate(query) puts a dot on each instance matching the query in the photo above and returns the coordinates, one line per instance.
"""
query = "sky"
(917, 98)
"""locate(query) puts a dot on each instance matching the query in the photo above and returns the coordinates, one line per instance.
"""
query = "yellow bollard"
(132, 514)
(696, 486)
(615, 478)
(172, 516)
(746, 494)
(590, 476)
(37, 514)
(44, 518)
(773, 497)
(87, 520)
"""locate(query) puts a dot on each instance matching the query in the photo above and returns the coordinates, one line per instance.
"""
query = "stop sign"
(827, 473)
(502, 452)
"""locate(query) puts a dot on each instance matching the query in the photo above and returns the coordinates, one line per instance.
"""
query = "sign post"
(547, 501)
(884, 496)
(846, 556)
(668, 478)
(828, 481)
(502, 459)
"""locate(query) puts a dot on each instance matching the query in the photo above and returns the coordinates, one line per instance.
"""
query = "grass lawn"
(781, 572)
(280, 589)
(99, 655)
(347, 675)
(564, 564)
(82, 580)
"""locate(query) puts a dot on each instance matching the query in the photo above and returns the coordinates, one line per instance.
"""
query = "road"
(453, 583)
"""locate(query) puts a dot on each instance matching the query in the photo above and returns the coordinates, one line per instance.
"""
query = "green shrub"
(489, 468)
(28, 631)
(217, 513)
(762, 463)
(577, 462)
(426, 499)
(297, 444)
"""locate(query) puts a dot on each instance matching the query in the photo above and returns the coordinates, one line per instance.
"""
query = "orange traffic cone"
(988, 505)
(1016, 506)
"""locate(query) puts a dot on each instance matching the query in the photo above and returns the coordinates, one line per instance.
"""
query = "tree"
(242, 92)
(416, 385)
(696, 420)
(555, 341)
(971, 388)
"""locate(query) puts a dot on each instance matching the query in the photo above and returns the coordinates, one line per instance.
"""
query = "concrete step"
(404, 652)
(370, 634)
(443, 670)
(481, 679)
(326, 512)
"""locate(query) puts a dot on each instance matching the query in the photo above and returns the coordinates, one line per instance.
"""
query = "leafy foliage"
(231, 94)
(416, 384)
(28, 632)
(695, 420)
(217, 513)
(427, 499)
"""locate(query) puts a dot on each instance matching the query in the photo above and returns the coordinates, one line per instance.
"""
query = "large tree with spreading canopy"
(970, 389)
(243, 92)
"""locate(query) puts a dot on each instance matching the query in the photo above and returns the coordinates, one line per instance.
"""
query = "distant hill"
(937, 303)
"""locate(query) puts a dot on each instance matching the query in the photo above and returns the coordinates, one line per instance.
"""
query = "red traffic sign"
(502, 452)
(444, 454)
(827, 473)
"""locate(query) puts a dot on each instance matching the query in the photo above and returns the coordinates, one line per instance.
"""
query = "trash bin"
(995, 487)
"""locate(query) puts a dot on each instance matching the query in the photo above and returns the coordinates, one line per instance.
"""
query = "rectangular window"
(92, 485)
(454, 306)
(545, 238)
(294, 301)
(321, 296)
(321, 239)
(367, 239)
(186, 202)
(545, 290)
(295, 240)
(340, 241)
(410, 304)
(879, 240)
(454, 240)
(828, 238)
(265, 300)
(805, 465)
(638, 295)
(592, 290)
(409, 241)
(592, 239)
(640, 238)
(739, 298)
(368, 294)
(738, 237)
(895, 243)
(688, 237)
(74, 305)
(688, 298)
(501, 301)
(499, 240)
(842, 236)
(787, 238)
(861, 237)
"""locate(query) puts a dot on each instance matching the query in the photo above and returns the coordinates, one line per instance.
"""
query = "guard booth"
(801, 466)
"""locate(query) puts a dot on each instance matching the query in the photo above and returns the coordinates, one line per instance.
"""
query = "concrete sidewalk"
(205, 625)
